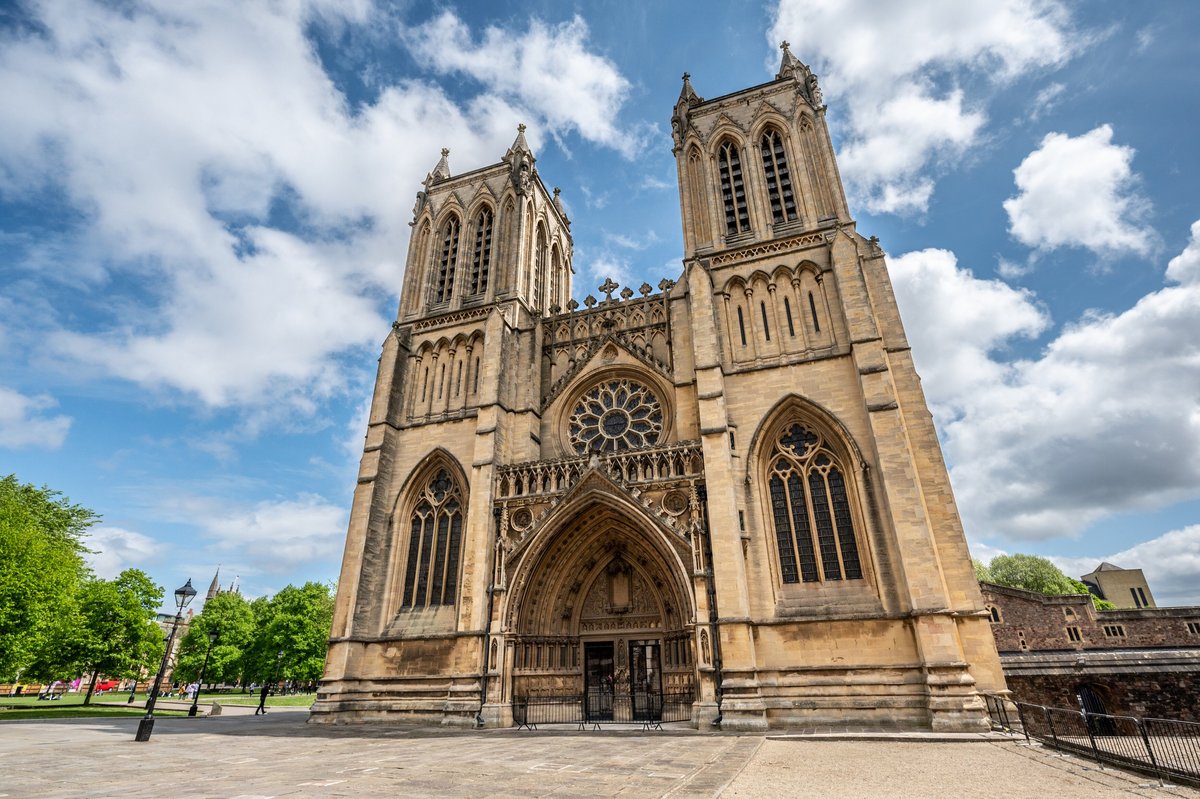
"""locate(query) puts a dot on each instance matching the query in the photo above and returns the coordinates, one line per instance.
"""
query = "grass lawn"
(71, 707)
(290, 700)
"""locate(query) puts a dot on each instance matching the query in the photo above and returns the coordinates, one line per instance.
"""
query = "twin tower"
(723, 493)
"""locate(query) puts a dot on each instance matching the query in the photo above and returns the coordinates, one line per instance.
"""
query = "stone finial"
(589, 301)
(572, 305)
(626, 293)
(608, 287)
(645, 289)
(666, 285)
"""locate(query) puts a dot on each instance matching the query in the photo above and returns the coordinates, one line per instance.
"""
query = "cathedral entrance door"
(645, 680)
(598, 679)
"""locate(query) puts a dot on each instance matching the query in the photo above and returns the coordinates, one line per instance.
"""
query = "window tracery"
(779, 179)
(616, 415)
(447, 260)
(810, 508)
(481, 260)
(733, 189)
(434, 544)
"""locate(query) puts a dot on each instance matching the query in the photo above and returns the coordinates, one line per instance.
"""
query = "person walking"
(261, 710)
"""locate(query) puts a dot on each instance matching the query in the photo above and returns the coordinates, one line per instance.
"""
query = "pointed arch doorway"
(602, 609)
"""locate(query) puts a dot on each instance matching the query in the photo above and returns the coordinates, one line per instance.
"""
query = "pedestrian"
(262, 700)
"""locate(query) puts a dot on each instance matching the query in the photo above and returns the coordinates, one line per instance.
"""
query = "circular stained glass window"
(616, 415)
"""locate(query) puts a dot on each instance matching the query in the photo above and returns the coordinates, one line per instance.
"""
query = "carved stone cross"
(608, 287)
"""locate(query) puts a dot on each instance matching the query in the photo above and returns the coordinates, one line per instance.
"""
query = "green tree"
(1034, 573)
(41, 549)
(981, 571)
(116, 635)
(295, 622)
(233, 619)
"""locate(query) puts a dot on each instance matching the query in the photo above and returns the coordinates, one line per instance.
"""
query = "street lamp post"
(262, 699)
(183, 595)
(213, 635)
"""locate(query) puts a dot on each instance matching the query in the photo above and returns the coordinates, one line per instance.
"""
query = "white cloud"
(1046, 100)
(23, 422)
(956, 322)
(116, 549)
(1185, 267)
(1079, 192)
(1106, 419)
(895, 71)
(547, 68)
(183, 132)
(1171, 563)
(273, 536)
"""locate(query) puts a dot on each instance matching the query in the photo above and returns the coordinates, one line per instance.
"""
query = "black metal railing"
(1164, 748)
(651, 710)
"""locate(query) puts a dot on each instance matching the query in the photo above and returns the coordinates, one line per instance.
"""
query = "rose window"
(616, 415)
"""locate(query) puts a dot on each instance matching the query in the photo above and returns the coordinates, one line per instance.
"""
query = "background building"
(1057, 650)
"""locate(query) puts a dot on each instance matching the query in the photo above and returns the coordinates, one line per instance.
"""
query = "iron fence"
(651, 710)
(1164, 748)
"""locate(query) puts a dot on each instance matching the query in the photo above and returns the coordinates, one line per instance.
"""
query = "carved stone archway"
(601, 573)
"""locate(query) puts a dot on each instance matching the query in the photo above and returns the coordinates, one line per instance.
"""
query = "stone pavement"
(278, 755)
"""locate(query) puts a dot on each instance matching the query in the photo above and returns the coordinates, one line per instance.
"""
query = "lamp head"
(184, 595)
(213, 635)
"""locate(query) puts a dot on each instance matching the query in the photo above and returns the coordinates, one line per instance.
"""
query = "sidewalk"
(279, 755)
(204, 708)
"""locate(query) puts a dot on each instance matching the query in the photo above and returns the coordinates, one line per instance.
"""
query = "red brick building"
(1056, 649)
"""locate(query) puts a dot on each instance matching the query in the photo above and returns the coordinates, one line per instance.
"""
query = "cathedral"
(725, 489)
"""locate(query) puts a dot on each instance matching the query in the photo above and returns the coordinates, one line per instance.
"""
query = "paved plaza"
(278, 755)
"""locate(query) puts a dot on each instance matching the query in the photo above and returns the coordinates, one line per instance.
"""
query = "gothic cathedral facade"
(725, 490)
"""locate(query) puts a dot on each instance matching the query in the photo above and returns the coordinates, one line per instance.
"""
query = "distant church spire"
(214, 587)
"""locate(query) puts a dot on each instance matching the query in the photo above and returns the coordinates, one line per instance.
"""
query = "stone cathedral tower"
(725, 494)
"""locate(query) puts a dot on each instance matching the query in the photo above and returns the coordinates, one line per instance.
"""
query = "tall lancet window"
(481, 259)
(779, 180)
(733, 189)
(539, 261)
(434, 544)
(447, 258)
(814, 526)
(555, 277)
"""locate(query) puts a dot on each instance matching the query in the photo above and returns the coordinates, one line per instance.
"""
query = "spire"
(683, 106)
(794, 68)
(442, 170)
(521, 159)
(558, 204)
(789, 64)
(687, 94)
(214, 587)
(519, 145)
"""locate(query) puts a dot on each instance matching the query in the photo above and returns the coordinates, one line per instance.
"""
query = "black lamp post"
(213, 635)
(183, 595)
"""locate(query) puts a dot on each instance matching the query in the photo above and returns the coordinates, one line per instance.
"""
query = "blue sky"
(204, 214)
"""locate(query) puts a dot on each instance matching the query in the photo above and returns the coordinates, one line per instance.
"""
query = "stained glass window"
(616, 415)
(810, 508)
(434, 544)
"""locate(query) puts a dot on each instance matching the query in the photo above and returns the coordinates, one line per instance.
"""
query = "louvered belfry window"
(434, 544)
(779, 180)
(733, 189)
(447, 258)
(481, 259)
(814, 527)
